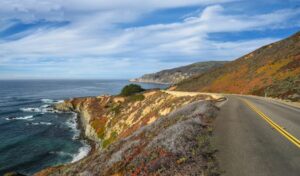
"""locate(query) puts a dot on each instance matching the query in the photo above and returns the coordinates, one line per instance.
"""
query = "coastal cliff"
(175, 75)
(154, 132)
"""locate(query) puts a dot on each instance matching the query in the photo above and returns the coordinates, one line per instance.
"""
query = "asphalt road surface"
(258, 137)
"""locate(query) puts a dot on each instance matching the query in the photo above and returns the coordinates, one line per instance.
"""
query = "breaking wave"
(41, 109)
(30, 117)
(50, 101)
(47, 101)
(72, 123)
(82, 152)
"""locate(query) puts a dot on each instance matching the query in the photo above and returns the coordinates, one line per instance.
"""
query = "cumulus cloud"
(92, 42)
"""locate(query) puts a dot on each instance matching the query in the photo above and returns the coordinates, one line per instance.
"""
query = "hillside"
(178, 74)
(153, 133)
(272, 70)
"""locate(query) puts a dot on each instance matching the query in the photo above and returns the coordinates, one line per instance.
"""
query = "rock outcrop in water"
(153, 133)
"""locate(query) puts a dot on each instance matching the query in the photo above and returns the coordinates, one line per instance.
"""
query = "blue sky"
(120, 39)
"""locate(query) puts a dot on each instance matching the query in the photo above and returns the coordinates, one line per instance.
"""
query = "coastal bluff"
(153, 132)
(175, 75)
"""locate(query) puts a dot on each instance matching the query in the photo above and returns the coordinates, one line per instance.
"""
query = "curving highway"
(258, 137)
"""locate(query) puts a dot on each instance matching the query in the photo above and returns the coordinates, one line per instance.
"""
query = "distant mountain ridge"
(175, 75)
(272, 70)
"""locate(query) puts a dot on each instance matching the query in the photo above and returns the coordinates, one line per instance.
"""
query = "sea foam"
(47, 101)
(41, 109)
(82, 152)
(30, 117)
(71, 123)
(50, 101)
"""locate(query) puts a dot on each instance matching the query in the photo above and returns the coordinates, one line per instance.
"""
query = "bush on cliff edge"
(131, 89)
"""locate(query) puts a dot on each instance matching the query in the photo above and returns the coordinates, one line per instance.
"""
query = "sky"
(121, 39)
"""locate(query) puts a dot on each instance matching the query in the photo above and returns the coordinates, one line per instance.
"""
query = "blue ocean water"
(32, 136)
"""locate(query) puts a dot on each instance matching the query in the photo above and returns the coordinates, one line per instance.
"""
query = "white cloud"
(57, 10)
(92, 43)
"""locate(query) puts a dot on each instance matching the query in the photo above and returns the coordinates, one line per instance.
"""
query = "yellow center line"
(280, 129)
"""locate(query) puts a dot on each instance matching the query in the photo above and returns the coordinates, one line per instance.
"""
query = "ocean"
(32, 135)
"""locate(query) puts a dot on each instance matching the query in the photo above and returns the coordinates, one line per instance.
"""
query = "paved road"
(250, 146)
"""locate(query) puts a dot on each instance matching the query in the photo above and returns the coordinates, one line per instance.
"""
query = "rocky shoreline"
(91, 143)
(82, 125)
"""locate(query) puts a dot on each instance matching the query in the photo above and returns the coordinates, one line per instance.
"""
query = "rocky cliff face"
(175, 75)
(150, 133)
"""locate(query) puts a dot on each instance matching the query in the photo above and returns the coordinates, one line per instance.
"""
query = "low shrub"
(131, 89)
(138, 97)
